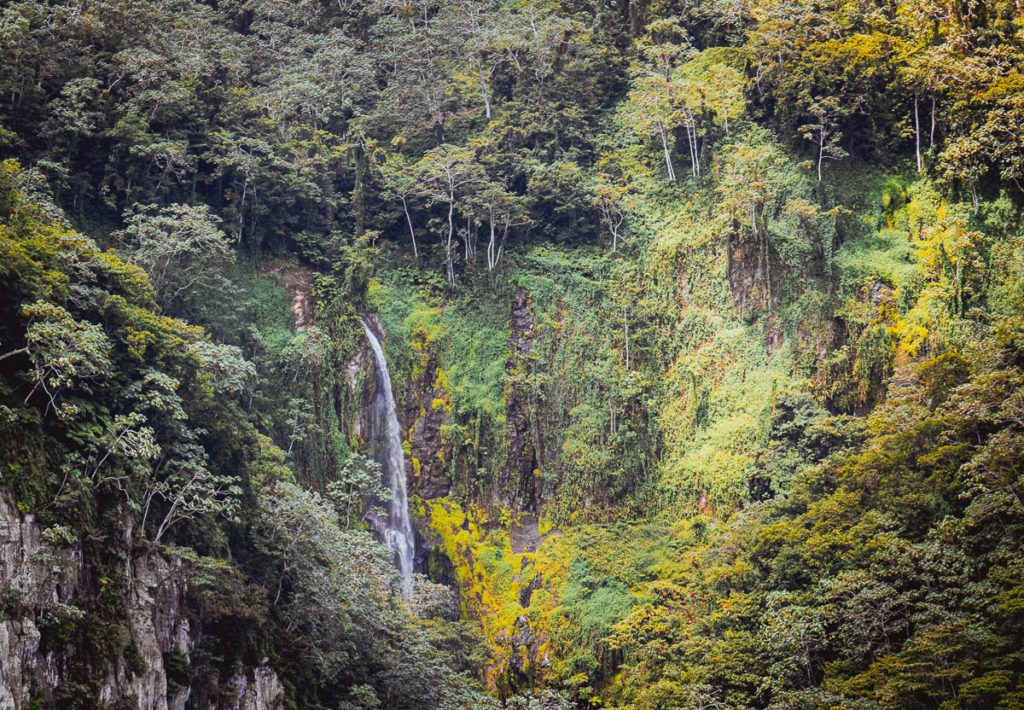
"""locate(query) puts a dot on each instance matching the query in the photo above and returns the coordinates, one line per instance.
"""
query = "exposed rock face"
(519, 485)
(259, 689)
(427, 409)
(22, 579)
(361, 383)
(527, 662)
(855, 361)
(525, 534)
(424, 408)
(747, 278)
(157, 625)
(38, 578)
(753, 282)
(526, 593)
(298, 282)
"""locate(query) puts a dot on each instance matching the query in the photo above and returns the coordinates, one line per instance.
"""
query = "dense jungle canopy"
(702, 324)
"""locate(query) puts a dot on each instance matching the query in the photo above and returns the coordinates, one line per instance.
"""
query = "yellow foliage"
(491, 576)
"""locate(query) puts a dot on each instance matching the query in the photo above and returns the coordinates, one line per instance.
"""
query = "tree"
(223, 367)
(716, 75)
(679, 87)
(964, 163)
(181, 247)
(447, 175)
(750, 181)
(653, 96)
(753, 190)
(416, 57)
(186, 489)
(357, 493)
(653, 101)
(130, 439)
(400, 180)
(335, 597)
(613, 200)
(823, 131)
(483, 31)
(501, 210)
(65, 353)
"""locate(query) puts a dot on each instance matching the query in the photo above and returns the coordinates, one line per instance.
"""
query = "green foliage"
(745, 276)
(129, 439)
(180, 247)
(847, 584)
(337, 595)
(358, 481)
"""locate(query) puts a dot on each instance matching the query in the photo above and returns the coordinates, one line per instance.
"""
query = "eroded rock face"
(257, 689)
(38, 578)
(427, 410)
(519, 486)
(527, 661)
(753, 280)
(157, 626)
(29, 579)
(424, 408)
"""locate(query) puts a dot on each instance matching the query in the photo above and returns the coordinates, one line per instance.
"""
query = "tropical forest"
(511, 354)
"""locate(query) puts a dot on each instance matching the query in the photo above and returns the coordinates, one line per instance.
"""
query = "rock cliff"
(46, 591)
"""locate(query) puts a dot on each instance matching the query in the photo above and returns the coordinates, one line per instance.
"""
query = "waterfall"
(396, 528)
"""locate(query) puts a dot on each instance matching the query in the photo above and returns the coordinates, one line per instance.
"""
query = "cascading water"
(396, 528)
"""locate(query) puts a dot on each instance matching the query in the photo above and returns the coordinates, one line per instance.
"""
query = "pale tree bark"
(692, 141)
(412, 232)
(486, 94)
(613, 217)
(449, 243)
(917, 133)
(496, 245)
(667, 152)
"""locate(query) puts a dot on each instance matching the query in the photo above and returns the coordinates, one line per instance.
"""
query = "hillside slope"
(704, 323)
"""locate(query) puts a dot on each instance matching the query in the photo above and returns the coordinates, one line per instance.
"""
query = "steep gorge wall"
(519, 485)
(42, 583)
(426, 412)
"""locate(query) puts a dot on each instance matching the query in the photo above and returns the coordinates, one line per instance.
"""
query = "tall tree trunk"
(691, 140)
(821, 151)
(486, 94)
(693, 156)
(451, 238)
(412, 233)
(917, 133)
(668, 153)
(491, 260)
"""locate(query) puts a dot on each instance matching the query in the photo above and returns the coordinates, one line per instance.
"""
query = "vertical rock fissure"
(396, 527)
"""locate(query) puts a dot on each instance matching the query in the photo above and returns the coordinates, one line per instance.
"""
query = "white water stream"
(396, 528)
